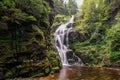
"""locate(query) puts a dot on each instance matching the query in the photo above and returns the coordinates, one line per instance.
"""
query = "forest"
(96, 39)
(27, 27)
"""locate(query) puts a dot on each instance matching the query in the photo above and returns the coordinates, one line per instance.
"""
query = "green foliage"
(98, 24)
(71, 6)
(58, 4)
(25, 38)
(63, 8)
(115, 57)
(59, 19)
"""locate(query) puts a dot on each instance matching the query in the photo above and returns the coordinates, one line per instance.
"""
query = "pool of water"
(84, 73)
(81, 73)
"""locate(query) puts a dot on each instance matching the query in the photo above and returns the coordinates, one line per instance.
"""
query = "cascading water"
(61, 37)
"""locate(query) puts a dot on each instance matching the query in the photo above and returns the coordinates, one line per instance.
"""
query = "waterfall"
(61, 38)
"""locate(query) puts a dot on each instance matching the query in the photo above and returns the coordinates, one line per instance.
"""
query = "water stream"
(61, 37)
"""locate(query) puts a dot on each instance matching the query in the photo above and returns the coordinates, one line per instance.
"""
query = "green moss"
(37, 75)
(25, 38)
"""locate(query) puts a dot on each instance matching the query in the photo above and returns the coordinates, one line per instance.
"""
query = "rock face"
(25, 42)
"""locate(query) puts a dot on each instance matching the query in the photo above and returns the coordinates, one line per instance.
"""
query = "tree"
(58, 6)
(71, 7)
(65, 8)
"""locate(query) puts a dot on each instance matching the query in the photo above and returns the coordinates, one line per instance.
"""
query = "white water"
(61, 37)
